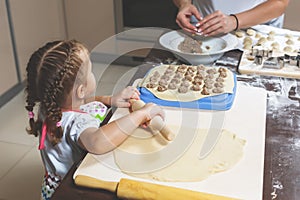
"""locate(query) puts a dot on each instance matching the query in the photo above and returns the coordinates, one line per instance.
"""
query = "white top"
(206, 7)
(58, 159)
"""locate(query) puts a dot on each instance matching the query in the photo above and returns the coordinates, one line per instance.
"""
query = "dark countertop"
(282, 145)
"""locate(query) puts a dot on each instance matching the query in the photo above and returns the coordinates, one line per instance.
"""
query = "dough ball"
(211, 71)
(208, 81)
(204, 91)
(251, 57)
(183, 67)
(183, 89)
(258, 35)
(222, 69)
(250, 32)
(172, 67)
(201, 74)
(223, 74)
(220, 80)
(178, 75)
(270, 38)
(188, 78)
(272, 33)
(247, 46)
(218, 90)
(208, 85)
(200, 67)
(192, 69)
(181, 70)
(247, 40)
(289, 42)
(169, 70)
(156, 74)
(289, 36)
(189, 73)
(198, 79)
(196, 87)
(275, 46)
(219, 85)
(209, 76)
(288, 49)
(161, 88)
(172, 86)
(165, 77)
(175, 80)
(185, 84)
(151, 85)
(153, 79)
(261, 41)
(239, 34)
(163, 82)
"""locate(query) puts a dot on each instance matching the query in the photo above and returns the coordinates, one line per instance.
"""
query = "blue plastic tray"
(218, 102)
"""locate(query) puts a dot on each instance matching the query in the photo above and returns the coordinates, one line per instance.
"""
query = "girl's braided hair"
(51, 75)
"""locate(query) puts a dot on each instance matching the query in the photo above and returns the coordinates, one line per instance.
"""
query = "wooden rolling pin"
(156, 123)
(137, 190)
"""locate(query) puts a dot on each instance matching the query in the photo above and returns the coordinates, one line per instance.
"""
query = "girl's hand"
(121, 99)
(216, 23)
(150, 110)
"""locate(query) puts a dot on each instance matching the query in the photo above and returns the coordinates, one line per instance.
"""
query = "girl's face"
(90, 84)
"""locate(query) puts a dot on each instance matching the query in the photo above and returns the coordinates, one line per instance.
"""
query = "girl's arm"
(120, 99)
(108, 137)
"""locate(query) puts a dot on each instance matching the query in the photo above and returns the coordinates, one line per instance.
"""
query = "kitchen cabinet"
(90, 21)
(24, 27)
(34, 23)
(8, 72)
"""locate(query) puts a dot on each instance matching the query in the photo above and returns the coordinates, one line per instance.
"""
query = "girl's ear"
(80, 92)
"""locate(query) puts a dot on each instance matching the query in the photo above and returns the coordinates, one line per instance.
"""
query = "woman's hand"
(216, 23)
(184, 15)
(122, 98)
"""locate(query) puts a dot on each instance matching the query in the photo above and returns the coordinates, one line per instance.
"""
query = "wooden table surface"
(282, 147)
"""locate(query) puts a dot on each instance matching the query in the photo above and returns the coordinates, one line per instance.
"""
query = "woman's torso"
(206, 7)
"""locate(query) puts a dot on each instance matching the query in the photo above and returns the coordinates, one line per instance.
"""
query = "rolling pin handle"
(156, 123)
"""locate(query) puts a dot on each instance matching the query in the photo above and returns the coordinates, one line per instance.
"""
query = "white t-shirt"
(58, 159)
(206, 7)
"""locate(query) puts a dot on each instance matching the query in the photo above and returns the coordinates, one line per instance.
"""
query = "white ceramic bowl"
(217, 47)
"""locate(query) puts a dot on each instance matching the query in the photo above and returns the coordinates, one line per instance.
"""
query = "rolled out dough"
(187, 167)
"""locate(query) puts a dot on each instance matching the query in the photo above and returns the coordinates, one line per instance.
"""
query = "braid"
(55, 77)
(32, 70)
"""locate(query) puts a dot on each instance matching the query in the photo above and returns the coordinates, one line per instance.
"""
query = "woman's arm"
(262, 13)
(218, 22)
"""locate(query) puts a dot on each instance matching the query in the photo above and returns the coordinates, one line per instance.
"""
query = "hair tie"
(58, 124)
(30, 115)
(43, 137)
(237, 21)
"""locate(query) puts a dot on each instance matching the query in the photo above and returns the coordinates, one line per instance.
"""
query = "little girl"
(59, 81)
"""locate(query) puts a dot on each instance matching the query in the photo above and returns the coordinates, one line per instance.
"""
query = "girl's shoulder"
(76, 122)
